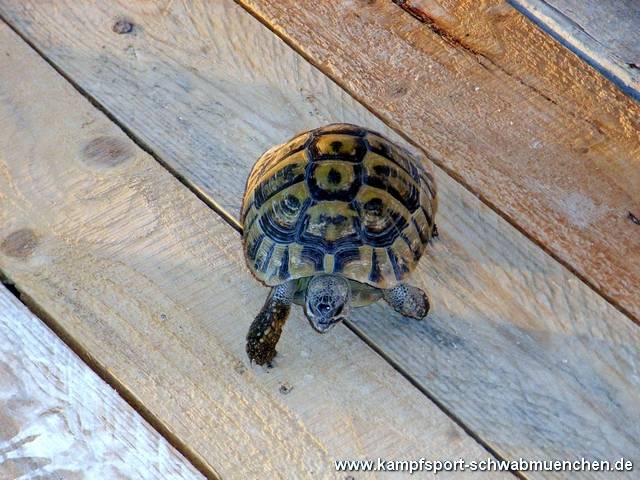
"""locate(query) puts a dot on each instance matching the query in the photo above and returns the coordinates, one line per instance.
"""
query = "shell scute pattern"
(338, 199)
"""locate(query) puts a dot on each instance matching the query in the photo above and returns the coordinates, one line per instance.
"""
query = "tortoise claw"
(260, 353)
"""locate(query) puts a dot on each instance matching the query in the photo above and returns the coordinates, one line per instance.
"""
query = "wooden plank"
(525, 354)
(519, 120)
(604, 33)
(150, 283)
(58, 419)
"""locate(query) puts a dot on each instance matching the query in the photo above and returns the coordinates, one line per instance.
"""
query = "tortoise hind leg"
(266, 329)
(407, 300)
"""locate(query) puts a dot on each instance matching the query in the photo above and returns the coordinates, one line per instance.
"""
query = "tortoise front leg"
(407, 300)
(265, 330)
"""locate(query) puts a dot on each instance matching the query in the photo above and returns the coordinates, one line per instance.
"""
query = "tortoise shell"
(340, 199)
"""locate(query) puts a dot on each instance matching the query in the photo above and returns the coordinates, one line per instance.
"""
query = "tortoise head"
(327, 301)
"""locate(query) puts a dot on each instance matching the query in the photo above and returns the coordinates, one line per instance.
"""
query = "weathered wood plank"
(58, 419)
(530, 128)
(515, 340)
(604, 33)
(151, 284)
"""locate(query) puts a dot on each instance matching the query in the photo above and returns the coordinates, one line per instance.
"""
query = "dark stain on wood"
(20, 244)
(443, 338)
(399, 90)
(107, 151)
(285, 388)
(122, 26)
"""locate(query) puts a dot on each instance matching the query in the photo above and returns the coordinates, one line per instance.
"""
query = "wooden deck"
(127, 131)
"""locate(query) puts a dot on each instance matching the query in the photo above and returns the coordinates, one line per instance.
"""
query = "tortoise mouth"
(324, 325)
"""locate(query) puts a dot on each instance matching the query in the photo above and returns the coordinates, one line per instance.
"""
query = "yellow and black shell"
(339, 199)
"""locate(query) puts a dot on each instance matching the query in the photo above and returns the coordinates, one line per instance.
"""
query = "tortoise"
(337, 217)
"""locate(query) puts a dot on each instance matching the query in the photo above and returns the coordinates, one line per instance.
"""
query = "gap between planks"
(125, 393)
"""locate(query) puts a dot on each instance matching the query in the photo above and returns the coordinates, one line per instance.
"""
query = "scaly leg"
(407, 300)
(266, 329)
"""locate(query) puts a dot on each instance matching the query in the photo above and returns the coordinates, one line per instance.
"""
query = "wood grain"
(521, 351)
(151, 284)
(58, 419)
(513, 115)
(603, 33)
